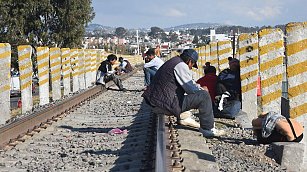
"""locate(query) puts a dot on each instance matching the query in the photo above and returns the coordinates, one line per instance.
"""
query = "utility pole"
(137, 41)
(233, 44)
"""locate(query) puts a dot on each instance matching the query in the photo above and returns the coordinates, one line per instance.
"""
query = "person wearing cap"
(173, 91)
(152, 65)
(105, 73)
(229, 89)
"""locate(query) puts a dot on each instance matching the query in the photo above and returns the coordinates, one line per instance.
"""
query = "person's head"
(207, 64)
(190, 57)
(210, 69)
(234, 64)
(150, 54)
(112, 59)
(121, 59)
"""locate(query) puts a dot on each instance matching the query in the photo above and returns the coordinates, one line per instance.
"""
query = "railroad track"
(79, 137)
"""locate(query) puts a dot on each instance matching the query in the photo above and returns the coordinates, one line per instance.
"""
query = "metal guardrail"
(161, 145)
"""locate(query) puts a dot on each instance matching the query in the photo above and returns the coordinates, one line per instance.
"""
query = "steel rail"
(22, 126)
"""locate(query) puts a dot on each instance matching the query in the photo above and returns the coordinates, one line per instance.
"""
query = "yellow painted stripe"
(5, 88)
(271, 97)
(271, 47)
(24, 56)
(214, 61)
(272, 80)
(224, 51)
(293, 26)
(242, 50)
(55, 71)
(25, 76)
(264, 32)
(297, 69)
(223, 61)
(25, 66)
(213, 53)
(65, 69)
(298, 110)
(271, 63)
(67, 75)
(249, 74)
(220, 43)
(58, 63)
(42, 56)
(249, 86)
(56, 78)
(43, 65)
(42, 82)
(246, 36)
(296, 47)
(5, 54)
(41, 74)
(88, 70)
(26, 85)
(297, 90)
(247, 63)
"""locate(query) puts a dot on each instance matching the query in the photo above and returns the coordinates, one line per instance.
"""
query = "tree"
(156, 32)
(44, 22)
(120, 32)
(195, 40)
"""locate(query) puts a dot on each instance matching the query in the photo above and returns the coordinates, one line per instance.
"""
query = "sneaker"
(189, 122)
(212, 133)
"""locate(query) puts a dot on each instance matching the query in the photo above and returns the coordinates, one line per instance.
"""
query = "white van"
(15, 85)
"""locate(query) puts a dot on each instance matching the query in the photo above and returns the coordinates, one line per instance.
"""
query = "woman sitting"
(273, 127)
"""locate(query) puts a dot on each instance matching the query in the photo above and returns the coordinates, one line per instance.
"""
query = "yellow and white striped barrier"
(5, 80)
(213, 55)
(74, 69)
(249, 69)
(93, 65)
(271, 55)
(88, 73)
(81, 59)
(43, 74)
(296, 52)
(297, 68)
(224, 51)
(207, 53)
(66, 69)
(55, 68)
(26, 72)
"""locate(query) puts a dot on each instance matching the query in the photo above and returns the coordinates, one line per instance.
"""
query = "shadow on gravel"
(238, 141)
(201, 155)
(128, 90)
(87, 129)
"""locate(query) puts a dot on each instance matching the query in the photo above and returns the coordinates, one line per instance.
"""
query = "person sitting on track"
(124, 66)
(105, 73)
(273, 127)
(166, 93)
(151, 66)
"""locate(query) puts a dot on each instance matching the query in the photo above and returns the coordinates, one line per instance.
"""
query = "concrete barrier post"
(224, 51)
(55, 68)
(5, 80)
(26, 72)
(207, 53)
(81, 58)
(43, 74)
(75, 69)
(93, 65)
(213, 55)
(88, 74)
(296, 52)
(66, 69)
(249, 69)
(271, 55)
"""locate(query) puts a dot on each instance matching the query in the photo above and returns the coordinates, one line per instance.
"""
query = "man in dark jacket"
(105, 73)
(166, 94)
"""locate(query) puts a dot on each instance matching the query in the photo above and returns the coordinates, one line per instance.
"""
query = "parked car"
(15, 85)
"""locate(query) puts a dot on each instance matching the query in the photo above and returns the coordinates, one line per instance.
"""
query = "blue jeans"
(149, 73)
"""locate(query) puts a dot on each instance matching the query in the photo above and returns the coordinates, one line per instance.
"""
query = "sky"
(168, 13)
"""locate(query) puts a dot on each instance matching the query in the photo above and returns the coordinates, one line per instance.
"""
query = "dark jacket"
(165, 92)
(105, 66)
(128, 67)
(231, 80)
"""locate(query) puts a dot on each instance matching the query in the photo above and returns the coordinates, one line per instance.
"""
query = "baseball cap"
(233, 60)
(192, 54)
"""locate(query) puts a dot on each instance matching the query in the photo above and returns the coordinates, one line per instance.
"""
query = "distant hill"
(92, 27)
(195, 26)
